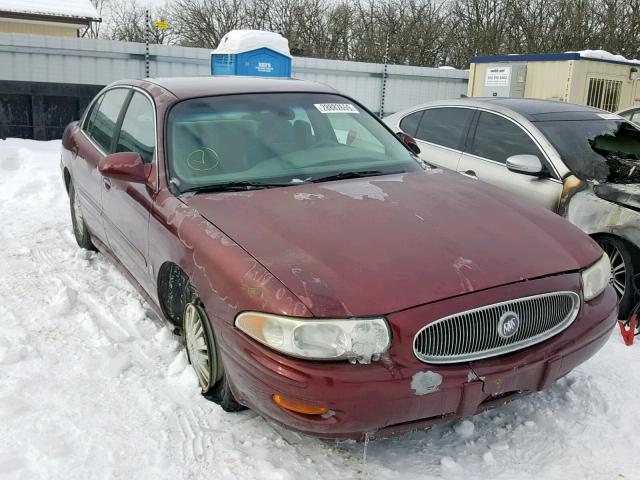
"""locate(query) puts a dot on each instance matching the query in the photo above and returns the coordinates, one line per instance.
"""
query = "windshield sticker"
(609, 116)
(336, 108)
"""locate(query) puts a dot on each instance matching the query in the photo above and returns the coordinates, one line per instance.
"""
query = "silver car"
(580, 162)
(632, 114)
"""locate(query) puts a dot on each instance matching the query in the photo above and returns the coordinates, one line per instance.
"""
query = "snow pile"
(62, 8)
(239, 41)
(93, 386)
(604, 55)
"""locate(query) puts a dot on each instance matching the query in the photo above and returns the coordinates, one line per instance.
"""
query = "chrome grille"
(473, 334)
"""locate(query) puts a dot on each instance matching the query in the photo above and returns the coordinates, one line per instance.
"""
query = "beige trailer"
(570, 77)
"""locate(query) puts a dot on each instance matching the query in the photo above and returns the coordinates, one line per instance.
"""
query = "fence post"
(146, 43)
(385, 69)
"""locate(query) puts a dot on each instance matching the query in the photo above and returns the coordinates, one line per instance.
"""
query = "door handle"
(107, 183)
(470, 174)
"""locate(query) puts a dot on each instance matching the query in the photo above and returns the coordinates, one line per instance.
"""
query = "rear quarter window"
(445, 126)
(409, 124)
(91, 115)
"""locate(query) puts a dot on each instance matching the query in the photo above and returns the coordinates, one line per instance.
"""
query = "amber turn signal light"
(298, 407)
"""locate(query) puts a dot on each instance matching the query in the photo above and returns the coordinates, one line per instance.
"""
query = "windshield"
(602, 150)
(274, 139)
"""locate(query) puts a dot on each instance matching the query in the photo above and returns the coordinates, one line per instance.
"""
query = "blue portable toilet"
(252, 53)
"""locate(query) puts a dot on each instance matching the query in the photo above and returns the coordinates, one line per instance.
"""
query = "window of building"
(603, 93)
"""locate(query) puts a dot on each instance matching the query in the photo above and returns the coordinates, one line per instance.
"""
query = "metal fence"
(45, 82)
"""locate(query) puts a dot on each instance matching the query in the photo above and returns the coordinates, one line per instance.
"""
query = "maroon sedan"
(318, 272)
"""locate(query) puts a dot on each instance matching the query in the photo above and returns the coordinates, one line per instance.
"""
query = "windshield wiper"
(346, 175)
(235, 187)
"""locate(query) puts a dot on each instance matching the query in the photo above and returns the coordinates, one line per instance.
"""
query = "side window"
(91, 116)
(497, 139)
(409, 124)
(635, 116)
(445, 126)
(137, 133)
(104, 123)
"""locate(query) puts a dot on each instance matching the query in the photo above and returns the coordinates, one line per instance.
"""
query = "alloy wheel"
(197, 345)
(77, 213)
(618, 268)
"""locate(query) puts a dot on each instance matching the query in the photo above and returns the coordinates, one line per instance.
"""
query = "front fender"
(594, 215)
(227, 278)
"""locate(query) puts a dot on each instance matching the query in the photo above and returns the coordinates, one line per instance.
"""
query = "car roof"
(628, 109)
(532, 109)
(190, 87)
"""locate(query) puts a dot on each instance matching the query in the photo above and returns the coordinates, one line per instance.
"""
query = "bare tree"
(93, 30)
(127, 20)
(420, 32)
(202, 23)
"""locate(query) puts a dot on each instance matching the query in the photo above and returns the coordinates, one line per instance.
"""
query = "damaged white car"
(580, 162)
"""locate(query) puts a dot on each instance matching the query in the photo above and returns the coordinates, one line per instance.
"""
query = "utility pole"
(385, 70)
(146, 43)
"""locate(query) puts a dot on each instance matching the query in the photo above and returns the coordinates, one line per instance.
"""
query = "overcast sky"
(152, 3)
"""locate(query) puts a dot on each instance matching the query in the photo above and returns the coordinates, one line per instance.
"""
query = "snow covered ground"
(93, 386)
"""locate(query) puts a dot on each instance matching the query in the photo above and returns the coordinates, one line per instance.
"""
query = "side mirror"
(526, 165)
(126, 166)
(409, 142)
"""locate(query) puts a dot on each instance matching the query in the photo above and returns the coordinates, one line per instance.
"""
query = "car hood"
(382, 244)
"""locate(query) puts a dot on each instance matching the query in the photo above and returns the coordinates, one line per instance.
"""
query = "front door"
(496, 139)
(127, 205)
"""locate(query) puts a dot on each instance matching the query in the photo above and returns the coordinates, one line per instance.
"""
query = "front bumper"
(378, 399)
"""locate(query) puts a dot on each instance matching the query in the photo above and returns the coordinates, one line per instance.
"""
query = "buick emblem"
(508, 324)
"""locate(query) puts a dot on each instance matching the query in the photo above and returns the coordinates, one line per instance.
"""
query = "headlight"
(596, 278)
(358, 340)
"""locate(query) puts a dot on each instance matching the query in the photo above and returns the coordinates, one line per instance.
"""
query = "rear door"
(93, 143)
(496, 138)
(126, 205)
(441, 134)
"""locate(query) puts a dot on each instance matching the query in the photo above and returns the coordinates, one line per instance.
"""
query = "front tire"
(80, 231)
(204, 357)
(623, 269)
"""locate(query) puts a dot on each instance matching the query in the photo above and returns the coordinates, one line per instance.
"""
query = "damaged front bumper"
(401, 393)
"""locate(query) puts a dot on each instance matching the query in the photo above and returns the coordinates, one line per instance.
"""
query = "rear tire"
(204, 357)
(625, 264)
(80, 231)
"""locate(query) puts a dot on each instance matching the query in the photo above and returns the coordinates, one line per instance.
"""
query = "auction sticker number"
(336, 108)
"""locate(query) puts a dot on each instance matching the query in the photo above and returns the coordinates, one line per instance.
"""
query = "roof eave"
(42, 17)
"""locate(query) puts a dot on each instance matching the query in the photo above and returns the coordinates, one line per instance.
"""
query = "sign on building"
(498, 76)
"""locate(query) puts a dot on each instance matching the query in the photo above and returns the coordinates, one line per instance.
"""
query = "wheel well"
(67, 179)
(630, 246)
(174, 291)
